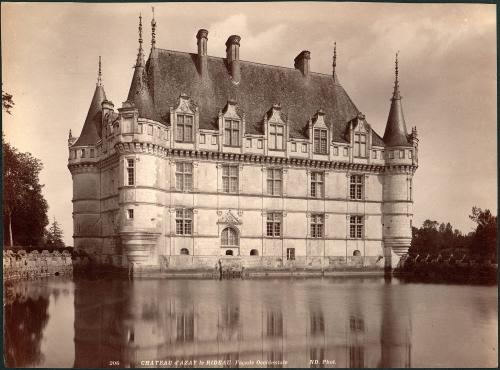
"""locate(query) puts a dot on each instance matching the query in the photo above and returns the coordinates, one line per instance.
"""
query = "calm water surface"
(330, 322)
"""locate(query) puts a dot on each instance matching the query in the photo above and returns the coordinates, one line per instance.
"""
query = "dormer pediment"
(185, 105)
(232, 111)
(276, 115)
(318, 120)
(359, 124)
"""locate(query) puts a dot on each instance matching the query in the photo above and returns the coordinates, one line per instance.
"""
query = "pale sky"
(447, 78)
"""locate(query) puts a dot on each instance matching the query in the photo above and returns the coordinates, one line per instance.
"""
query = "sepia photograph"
(289, 184)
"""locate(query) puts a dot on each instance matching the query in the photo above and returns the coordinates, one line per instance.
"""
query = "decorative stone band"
(400, 246)
(138, 244)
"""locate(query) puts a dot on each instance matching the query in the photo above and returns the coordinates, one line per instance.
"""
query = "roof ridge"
(256, 63)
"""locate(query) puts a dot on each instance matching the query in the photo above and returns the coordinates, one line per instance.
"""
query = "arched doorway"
(254, 252)
(229, 252)
(184, 251)
(230, 237)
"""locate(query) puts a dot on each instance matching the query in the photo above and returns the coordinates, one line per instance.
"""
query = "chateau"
(211, 160)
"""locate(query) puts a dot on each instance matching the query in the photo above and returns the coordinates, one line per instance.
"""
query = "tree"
(484, 240)
(7, 102)
(54, 236)
(25, 209)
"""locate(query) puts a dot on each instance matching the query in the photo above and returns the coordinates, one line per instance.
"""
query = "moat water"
(329, 322)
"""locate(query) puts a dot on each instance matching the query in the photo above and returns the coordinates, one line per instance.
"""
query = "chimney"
(301, 62)
(233, 56)
(202, 37)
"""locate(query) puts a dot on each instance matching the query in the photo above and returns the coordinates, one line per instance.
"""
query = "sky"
(447, 76)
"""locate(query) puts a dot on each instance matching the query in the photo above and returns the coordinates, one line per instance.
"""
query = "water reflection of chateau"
(159, 320)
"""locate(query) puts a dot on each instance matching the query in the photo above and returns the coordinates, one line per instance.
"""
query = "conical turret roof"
(90, 131)
(395, 130)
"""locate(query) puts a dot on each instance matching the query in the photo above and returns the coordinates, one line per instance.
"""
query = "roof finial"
(140, 54)
(334, 64)
(396, 94)
(99, 74)
(153, 29)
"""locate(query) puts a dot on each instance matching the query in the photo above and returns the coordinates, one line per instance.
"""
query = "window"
(374, 154)
(83, 153)
(259, 144)
(359, 145)
(320, 141)
(317, 222)
(184, 128)
(214, 139)
(356, 187)
(346, 151)
(231, 132)
(249, 143)
(130, 214)
(150, 129)
(184, 176)
(290, 254)
(410, 154)
(130, 172)
(92, 153)
(274, 181)
(401, 154)
(184, 251)
(317, 182)
(335, 150)
(229, 252)
(274, 224)
(411, 188)
(356, 227)
(229, 236)
(230, 179)
(276, 137)
(183, 221)
(356, 253)
(304, 148)
(391, 154)
(202, 139)
(254, 252)
(73, 154)
(294, 147)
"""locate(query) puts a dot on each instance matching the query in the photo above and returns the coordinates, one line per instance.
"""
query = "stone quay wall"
(20, 264)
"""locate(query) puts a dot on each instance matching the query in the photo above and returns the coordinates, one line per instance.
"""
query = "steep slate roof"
(91, 131)
(260, 87)
(395, 130)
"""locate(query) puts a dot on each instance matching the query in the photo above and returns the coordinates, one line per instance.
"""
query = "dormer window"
(276, 137)
(360, 145)
(320, 141)
(184, 128)
(231, 132)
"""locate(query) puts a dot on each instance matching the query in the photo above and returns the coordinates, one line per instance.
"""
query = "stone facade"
(171, 184)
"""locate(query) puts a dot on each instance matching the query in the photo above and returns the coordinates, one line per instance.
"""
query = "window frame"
(182, 175)
(231, 130)
(274, 223)
(356, 227)
(183, 125)
(357, 187)
(184, 223)
(319, 140)
(290, 254)
(317, 225)
(130, 165)
(360, 145)
(231, 178)
(272, 190)
(317, 181)
(235, 236)
(275, 137)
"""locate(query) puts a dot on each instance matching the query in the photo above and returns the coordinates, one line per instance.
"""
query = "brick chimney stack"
(202, 37)
(233, 56)
(301, 62)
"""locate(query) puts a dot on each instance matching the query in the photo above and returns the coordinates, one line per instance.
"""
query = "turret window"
(401, 154)
(359, 145)
(276, 137)
(356, 187)
(356, 227)
(410, 154)
(184, 128)
(231, 133)
(130, 172)
(320, 141)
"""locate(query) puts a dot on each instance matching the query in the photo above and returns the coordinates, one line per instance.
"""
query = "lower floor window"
(317, 222)
(290, 254)
(274, 224)
(356, 227)
(183, 221)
